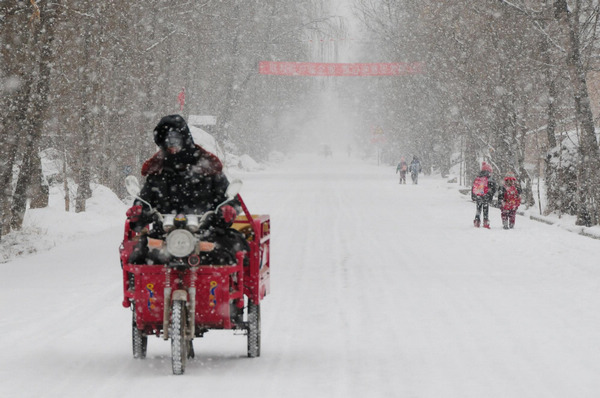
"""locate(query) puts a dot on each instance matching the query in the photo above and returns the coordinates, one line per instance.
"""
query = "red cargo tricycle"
(182, 299)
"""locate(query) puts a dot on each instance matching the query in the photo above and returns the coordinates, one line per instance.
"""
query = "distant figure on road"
(415, 169)
(402, 168)
(326, 150)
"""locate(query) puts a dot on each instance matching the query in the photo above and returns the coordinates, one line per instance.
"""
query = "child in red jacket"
(509, 197)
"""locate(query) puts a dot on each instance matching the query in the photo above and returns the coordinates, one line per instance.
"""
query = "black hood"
(189, 153)
(172, 123)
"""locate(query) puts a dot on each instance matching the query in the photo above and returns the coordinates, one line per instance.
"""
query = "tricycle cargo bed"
(215, 289)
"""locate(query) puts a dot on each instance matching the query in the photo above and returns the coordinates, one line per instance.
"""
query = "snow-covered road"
(378, 290)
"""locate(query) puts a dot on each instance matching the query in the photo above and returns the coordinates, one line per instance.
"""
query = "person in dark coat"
(184, 178)
(482, 193)
(415, 169)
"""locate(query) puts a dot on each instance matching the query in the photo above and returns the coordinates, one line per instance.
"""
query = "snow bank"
(244, 162)
(276, 157)
(45, 228)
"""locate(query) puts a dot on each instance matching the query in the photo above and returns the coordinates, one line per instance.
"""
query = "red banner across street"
(339, 69)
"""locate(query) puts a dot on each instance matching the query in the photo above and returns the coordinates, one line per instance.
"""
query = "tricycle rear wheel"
(253, 329)
(179, 346)
(138, 339)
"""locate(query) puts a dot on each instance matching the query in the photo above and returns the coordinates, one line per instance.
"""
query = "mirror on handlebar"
(233, 189)
(132, 185)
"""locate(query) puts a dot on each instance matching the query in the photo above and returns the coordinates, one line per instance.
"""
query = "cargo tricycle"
(182, 298)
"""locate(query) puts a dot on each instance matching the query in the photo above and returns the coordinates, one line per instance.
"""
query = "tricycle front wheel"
(253, 329)
(179, 346)
(138, 339)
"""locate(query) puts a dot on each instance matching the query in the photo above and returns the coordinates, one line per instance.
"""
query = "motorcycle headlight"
(168, 222)
(180, 243)
(192, 222)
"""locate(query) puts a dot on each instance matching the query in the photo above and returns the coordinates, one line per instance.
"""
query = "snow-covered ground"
(378, 290)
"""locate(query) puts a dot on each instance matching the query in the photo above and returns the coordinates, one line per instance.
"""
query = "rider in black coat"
(185, 178)
(182, 177)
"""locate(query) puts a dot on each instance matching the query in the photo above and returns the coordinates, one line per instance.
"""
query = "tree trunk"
(224, 120)
(30, 177)
(587, 213)
(66, 183)
(10, 145)
(39, 191)
(553, 192)
(19, 202)
(472, 166)
(84, 191)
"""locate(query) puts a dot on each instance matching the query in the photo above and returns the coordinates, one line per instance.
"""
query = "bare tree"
(496, 72)
(96, 81)
(30, 33)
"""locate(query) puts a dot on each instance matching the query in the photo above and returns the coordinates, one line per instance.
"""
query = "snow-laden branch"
(511, 4)
(550, 39)
(160, 41)
(531, 15)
